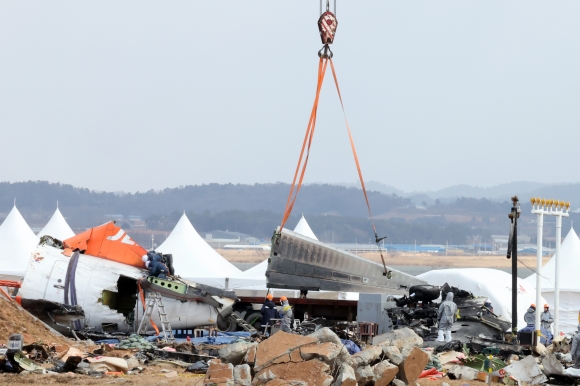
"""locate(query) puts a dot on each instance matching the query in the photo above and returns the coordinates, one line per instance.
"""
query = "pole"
(557, 277)
(539, 273)
(514, 257)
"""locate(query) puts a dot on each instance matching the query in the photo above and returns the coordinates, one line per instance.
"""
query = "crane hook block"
(327, 26)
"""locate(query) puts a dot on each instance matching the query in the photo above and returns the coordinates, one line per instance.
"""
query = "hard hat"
(269, 297)
(283, 298)
(546, 306)
(533, 305)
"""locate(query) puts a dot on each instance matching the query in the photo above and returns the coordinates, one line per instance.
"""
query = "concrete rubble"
(400, 357)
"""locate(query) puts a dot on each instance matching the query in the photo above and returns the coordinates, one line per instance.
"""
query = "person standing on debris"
(575, 349)
(530, 315)
(446, 316)
(287, 315)
(547, 318)
(269, 311)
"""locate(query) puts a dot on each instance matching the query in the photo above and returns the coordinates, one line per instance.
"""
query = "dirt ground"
(406, 259)
(427, 382)
(15, 320)
(152, 375)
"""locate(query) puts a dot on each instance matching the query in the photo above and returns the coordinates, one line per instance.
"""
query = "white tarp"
(57, 227)
(17, 241)
(496, 285)
(569, 283)
(194, 259)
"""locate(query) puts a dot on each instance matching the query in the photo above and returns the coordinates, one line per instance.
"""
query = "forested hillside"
(336, 213)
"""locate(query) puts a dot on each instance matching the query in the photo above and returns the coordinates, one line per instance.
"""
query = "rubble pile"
(400, 357)
(15, 320)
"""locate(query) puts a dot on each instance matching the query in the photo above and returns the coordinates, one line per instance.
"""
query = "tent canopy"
(569, 284)
(492, 283)
(193, 258)
(57, 227)
(17, 242)
(569, 264)
(304, 229)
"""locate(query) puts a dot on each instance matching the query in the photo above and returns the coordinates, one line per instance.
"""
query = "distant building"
(218, 239)
(115, 217)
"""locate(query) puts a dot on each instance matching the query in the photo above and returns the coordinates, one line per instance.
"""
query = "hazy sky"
(134, 95)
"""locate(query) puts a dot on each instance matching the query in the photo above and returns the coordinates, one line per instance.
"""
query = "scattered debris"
(319, 353)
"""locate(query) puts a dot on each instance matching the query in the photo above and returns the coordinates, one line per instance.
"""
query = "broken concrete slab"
(527, 370)
(235, 353)
(346, 376)
(364, 375)
(218, 371)
(296, 356)
(552, 365)
(218, 382)
(365, 357)
(326, 351)
(384, 373)
(242, 375)
(325, 335)
(250, 356)
(263, 377)
(281, 382)
(313, 372)
(412, 366)
(462, 372)
(283, 359)
(398, 382)
(393, 354)
(277, 345)
(400, 338)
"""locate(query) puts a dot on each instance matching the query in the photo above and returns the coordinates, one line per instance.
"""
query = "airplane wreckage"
(299, 262)
(96, 282)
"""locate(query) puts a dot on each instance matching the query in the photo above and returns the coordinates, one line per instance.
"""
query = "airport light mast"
(541, 207)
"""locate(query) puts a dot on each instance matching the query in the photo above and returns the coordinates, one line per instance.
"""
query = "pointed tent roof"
(569, 264)
(57, 227)
(193, 258)
(304, 229)
(17, 242)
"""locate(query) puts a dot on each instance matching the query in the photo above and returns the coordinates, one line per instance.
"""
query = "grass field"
(408, 259)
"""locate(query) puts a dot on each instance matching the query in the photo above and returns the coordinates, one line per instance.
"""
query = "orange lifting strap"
(145, 307)
(301, 167)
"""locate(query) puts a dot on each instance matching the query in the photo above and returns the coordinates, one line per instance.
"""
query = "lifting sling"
(327, 24)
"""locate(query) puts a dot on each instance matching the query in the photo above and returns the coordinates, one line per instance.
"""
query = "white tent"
(255, 277)
(496, 285)
(57, 227)
(194, 259)
(569, 283)
(17, 242)
(304, 229)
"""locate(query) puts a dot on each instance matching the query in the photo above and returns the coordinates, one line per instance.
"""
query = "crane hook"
(325, 52)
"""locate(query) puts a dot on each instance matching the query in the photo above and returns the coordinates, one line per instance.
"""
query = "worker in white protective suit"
(575, 349)
(286, 314)
(446, 317)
